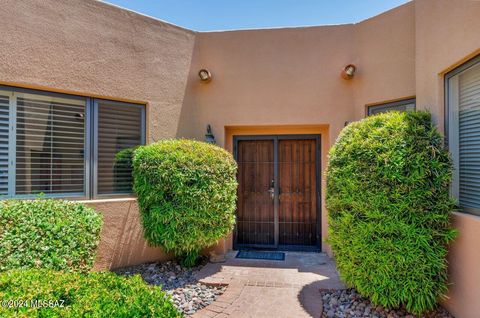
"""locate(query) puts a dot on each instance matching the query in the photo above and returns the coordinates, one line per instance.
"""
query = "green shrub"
(186, 191)
(123, 170)
(81, 295)
(43, 233)
(389, 207)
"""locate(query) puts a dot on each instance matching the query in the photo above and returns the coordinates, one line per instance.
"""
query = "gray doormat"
(274, 256)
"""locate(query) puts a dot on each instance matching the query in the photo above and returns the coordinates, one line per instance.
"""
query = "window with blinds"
(402, 105)
(464, 135)
(119, 131)
(4, 141)
(66, 146)
(50, 145)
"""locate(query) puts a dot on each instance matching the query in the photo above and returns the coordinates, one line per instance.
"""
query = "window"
(463, 131)
(402, 105)
(46, 144)
(119, 129)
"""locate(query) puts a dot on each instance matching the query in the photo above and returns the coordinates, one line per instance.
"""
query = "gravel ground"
(347, 303)
(188, 295)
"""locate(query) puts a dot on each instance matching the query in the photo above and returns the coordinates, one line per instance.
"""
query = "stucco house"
(82, 80)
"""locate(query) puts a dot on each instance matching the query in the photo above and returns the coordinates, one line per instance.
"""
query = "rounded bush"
(62, 294)
(389, 207)
(43, 233)
(187, 192)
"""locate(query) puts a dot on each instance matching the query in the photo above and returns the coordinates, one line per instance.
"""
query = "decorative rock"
(186, 293)
(348, 303)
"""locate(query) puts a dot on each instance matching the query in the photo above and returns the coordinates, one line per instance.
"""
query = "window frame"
(450, 133)
(383, 106)
(90, 143)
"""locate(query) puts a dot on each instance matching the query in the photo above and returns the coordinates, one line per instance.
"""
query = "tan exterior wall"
(270, 77)
(446, 36)
(272, 81)
(121, 239)
(385, 56)
(264, 81)
(97, 50)
(94, 49)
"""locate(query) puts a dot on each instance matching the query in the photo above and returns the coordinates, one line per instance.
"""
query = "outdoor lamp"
(348, 71)
(205, 75)
(209, 137)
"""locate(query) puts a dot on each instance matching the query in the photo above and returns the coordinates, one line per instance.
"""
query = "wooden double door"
(278, 192)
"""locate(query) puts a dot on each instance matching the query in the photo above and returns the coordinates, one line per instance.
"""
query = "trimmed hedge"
(186, 191)
(123, 165)
(46, 233)
(64, 294)
(389, 207)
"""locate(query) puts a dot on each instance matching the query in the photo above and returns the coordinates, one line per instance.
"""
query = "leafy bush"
(43, 233)
(123, 171)
(186, 191)
(81, 295)
(389, 206)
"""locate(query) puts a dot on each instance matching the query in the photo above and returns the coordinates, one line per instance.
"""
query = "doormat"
(273, 256)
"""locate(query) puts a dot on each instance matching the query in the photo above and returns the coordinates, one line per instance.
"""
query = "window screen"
(50, 145)
(403, 105)
(119, 131)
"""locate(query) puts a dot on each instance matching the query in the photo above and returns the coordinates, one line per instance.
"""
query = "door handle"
(272, 189)
(272, 193)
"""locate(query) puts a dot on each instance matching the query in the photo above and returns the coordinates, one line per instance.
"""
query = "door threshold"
(280, 248)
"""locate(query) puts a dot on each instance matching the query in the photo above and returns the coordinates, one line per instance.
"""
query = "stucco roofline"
(251, 29)
(154, 19)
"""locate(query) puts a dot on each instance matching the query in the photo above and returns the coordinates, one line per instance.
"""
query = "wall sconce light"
(348, 71)
(209, 137)
(205, 75)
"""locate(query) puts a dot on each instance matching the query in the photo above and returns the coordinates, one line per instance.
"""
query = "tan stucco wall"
(97, 50)
(446, 36)
(92, 48)
(272, 81)
(385, 56)
(277, 81)
(121, 239)
(270, 77)
(464, 259)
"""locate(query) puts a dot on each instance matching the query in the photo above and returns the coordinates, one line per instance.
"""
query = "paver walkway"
(260, 288)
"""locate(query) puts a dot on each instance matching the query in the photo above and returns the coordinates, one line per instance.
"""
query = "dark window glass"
(403, 105)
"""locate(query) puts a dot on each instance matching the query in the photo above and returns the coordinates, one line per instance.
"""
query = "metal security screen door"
(278, 192)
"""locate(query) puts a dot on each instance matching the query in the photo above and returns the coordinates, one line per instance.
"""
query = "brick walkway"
(258, 288)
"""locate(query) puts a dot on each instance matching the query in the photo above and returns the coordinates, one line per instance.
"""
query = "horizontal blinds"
(4, 137)
(50, 145)
(119, 131)
(469, 138)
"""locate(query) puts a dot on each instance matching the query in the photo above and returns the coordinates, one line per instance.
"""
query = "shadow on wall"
(121, 240)
(188, 126)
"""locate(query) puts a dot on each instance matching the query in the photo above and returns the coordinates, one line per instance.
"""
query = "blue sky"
(209, 15)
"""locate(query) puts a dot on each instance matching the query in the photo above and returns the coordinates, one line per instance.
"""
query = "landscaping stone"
(187, 294)
(347, 303)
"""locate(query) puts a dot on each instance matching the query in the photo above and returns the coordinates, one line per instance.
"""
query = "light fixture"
(348, 71)
(209, 137)
(205, 75)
